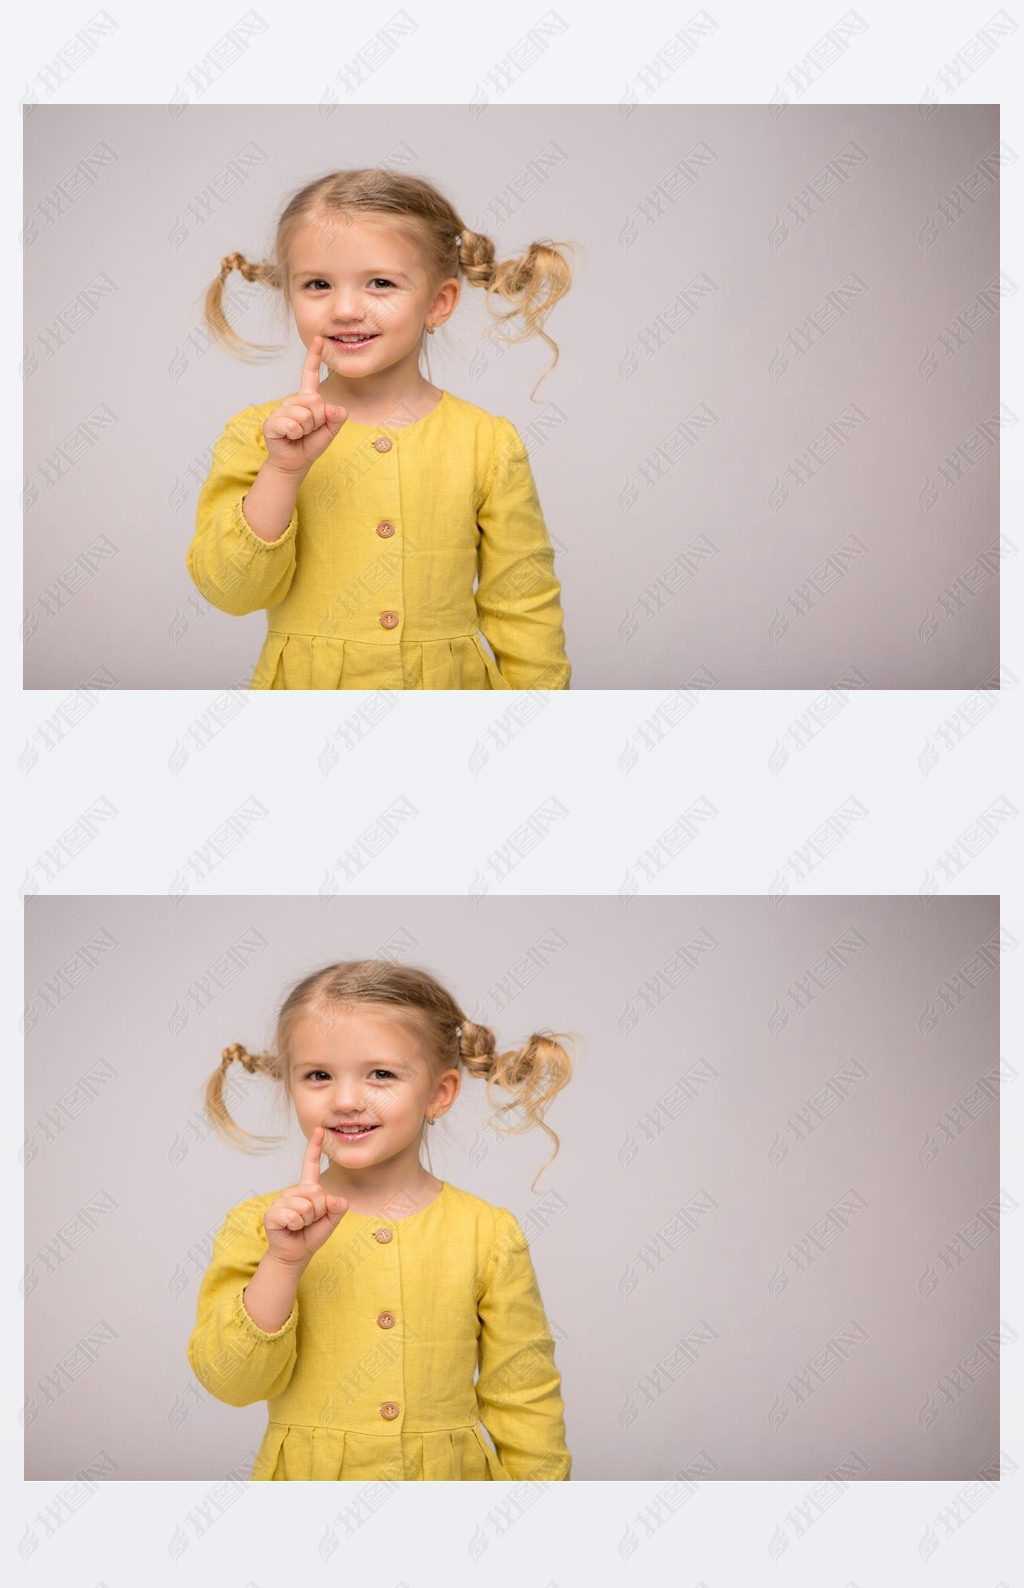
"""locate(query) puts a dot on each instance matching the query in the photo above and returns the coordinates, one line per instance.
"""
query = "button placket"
(389, 617)
(389, 1410)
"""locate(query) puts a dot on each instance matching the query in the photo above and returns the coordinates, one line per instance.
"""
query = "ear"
(446, 1091)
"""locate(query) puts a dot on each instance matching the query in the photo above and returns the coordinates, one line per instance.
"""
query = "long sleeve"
(519, 1387)
(233, 568)
(229, 1354)
(518, 597)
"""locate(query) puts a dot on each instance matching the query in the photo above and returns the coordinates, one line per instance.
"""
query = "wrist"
(270, 467)
(284, 1265)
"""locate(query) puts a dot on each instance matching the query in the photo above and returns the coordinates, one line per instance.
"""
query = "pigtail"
(217, 1111)
(213, 308)
(533, 1075)
(533, 284)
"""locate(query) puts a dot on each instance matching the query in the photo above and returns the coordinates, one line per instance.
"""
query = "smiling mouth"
(358, 341)
(352, 1135)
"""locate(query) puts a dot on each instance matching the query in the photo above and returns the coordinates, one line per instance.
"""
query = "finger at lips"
(310, 1174)
(310, 380)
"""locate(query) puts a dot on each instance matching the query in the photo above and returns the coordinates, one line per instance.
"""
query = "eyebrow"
(322, 1064)
(371, 270)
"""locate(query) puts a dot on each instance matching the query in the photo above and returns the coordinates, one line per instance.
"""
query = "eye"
(318, 281)
(313, 1075)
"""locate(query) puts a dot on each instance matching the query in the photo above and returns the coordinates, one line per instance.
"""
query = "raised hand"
(304, 1216)
(302, 427)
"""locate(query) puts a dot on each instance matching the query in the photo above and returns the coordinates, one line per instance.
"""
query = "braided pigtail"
(217, 1111)
(532, 283)
(220, 327)
(532, 1075)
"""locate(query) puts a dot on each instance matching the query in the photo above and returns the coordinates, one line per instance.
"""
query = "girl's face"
(357, 1068)
(363, 276)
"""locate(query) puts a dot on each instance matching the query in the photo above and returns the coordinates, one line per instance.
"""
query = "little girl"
(359, 1302)
(359, 511)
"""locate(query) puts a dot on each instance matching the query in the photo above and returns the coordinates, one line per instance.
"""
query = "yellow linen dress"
(371, 584)
(371, 1375)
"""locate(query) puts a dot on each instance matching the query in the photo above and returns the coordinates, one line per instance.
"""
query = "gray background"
(695, 1073)
(710, 236)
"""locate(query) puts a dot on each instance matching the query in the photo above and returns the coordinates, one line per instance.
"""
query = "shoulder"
(468, 413)
(497, 1225)
(472, 1205)
(494, 428)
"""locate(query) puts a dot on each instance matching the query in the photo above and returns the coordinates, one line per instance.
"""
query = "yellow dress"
(371, 1375)
(371, 584)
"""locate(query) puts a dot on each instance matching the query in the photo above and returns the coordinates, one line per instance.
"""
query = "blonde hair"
(532, 1074)
(533, 283)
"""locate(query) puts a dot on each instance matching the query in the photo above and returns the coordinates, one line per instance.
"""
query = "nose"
(347, 308)
(348, 1099)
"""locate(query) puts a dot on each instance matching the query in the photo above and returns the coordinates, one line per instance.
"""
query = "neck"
(392, 1189)
(398, 395)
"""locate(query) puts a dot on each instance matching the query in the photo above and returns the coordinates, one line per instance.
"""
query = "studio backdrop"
(767, 455)
(767, 1247)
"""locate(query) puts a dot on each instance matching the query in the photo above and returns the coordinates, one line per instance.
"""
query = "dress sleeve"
(518, 597)
(233, 568)
(229, 1354)
(519, 1387)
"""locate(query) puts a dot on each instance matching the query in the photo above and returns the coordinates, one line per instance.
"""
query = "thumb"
(335, 417)
(336, 1207)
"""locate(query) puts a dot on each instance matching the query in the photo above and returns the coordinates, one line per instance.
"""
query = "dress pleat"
(303, 661)
(326, 1455)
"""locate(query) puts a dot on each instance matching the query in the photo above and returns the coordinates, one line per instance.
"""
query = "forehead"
(353, 1033)
(359, 239)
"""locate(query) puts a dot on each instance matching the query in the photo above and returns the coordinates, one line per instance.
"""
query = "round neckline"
(382, 1219)
(398, 430)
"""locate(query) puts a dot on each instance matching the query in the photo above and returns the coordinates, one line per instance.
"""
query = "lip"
(347, 1135)
(371, 336)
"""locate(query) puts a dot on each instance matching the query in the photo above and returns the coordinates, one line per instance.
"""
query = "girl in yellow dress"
(359, 511)
(359, 1302)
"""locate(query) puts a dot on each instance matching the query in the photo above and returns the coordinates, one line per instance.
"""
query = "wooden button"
(386, 1320)
(383, 1235)
(389, 1409)
(385, 528)
(388, 620)
(382, 444)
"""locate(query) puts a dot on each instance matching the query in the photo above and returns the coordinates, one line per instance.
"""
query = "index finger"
(311, 1157)
(310, 380)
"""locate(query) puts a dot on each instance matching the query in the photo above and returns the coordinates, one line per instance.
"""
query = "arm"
(518, 596)
(243, 558)
(519, 1387)
(232, 1356)
(269, 1296)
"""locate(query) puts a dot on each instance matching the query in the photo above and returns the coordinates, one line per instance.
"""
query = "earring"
(431, 1120)
(430, 330)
